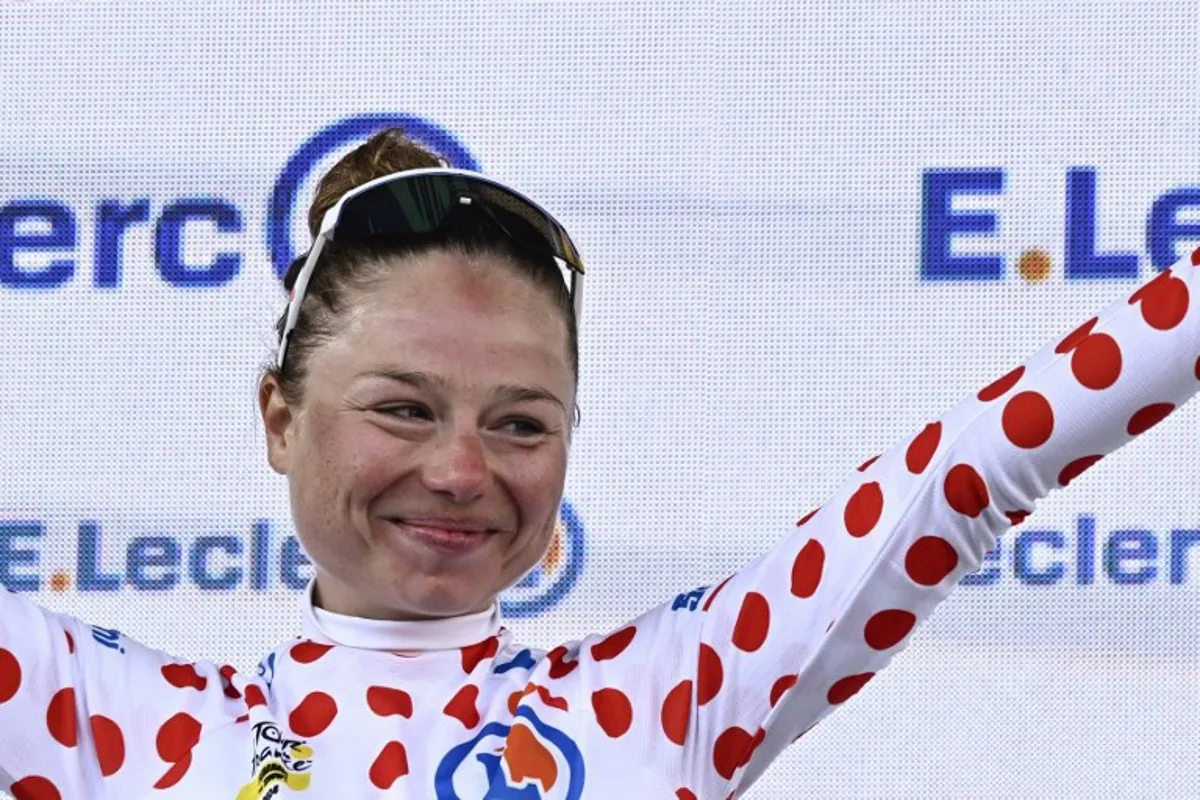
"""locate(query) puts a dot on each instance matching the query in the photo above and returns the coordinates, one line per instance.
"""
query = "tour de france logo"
(278, 761)
(528, 760)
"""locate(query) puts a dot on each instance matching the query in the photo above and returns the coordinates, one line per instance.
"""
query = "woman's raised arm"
(712, 687)
(88, 713)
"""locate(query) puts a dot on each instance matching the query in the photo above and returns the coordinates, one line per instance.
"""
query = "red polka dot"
(175, 774)
(559, 666)
(1076, 468)
(313, 715)
(227, 672)
(10, 675)
(1096, 363)
(1017, 517)
(864, 509)
(184, 676)
(614, 645)
(807, 568)
(553, 701)
(389, 765)
(965, 490)
(308, 652)
(472, 656)
(998, 387)
(613, 711)
(709, 676)
(717, 591)
(110, 744)
(847, 687)
(1164, 301)
(920, 451)
(1198, 369)
(1148, 417)
(1027, 420)
(1196, 257)
(759, 735)
(866, 464)
(35, 787)
(177, 737)
(463, 706)
(781, 686)
(930, 560)
(888, 628)
(684, 794)
(753, 622)
(386, 701)
(255, 696)
(1076, 336)
(731, 751)
(60, 718)
(70, 642)
(677, 712)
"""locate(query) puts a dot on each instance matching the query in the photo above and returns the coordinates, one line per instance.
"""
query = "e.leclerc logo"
(39, 244)
(1171, 229)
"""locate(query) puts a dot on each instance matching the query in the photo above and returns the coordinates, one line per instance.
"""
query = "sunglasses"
(422, 201)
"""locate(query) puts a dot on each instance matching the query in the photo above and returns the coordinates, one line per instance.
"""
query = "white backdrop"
(750, 183)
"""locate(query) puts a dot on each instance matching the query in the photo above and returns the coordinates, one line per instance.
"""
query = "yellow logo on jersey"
(278, 761)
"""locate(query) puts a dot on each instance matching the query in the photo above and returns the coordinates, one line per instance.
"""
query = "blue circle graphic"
(563, 583)
(335, 136)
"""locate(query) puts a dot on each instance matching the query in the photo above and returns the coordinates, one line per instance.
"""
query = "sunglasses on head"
(422, 201)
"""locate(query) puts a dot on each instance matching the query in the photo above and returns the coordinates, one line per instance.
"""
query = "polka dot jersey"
(691, 700)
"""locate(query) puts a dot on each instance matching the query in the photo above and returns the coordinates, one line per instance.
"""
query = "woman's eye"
(406, 411)
(522, 427)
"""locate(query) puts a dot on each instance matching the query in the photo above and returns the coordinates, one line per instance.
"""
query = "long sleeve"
(87, 713)
(713, 686)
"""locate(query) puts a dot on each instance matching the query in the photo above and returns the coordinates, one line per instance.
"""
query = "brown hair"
(346, 268)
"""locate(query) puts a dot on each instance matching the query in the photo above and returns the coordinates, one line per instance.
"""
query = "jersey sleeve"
(86, 712)
(717, 683)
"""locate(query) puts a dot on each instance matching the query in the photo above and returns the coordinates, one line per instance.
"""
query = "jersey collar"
(451, 633)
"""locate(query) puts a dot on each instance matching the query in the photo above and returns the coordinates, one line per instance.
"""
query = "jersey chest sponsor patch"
(528, 760)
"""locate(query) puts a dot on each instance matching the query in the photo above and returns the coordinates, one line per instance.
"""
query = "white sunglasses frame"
(329, 224)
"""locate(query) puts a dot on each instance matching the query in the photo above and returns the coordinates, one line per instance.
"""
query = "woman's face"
(426, 461)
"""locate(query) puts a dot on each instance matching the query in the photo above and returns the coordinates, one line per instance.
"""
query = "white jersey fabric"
(691, 700)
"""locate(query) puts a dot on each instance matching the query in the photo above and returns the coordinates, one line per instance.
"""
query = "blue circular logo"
(549, 582)
(349, 131)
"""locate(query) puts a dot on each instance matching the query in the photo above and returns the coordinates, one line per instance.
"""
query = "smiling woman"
(421, 407)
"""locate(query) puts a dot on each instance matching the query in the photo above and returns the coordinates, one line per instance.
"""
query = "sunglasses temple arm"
(297, 298)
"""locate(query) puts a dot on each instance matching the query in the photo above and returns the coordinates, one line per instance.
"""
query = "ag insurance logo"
(193, 241)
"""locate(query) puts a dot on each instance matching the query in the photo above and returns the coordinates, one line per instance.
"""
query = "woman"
(421, 407)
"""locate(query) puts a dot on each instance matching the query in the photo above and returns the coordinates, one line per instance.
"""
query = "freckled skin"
(360, 449)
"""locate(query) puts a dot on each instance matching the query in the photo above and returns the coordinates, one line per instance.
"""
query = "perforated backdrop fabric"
(810, 227)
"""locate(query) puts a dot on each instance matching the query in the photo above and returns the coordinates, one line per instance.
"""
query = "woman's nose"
(457, 467)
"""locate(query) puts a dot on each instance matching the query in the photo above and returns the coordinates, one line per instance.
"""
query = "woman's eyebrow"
(518, 394)
(507, 392)
(418, 380)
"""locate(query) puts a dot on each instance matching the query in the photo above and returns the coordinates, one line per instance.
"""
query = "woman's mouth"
(448, 536)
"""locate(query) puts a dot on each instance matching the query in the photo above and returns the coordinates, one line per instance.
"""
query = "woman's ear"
(277, 419)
